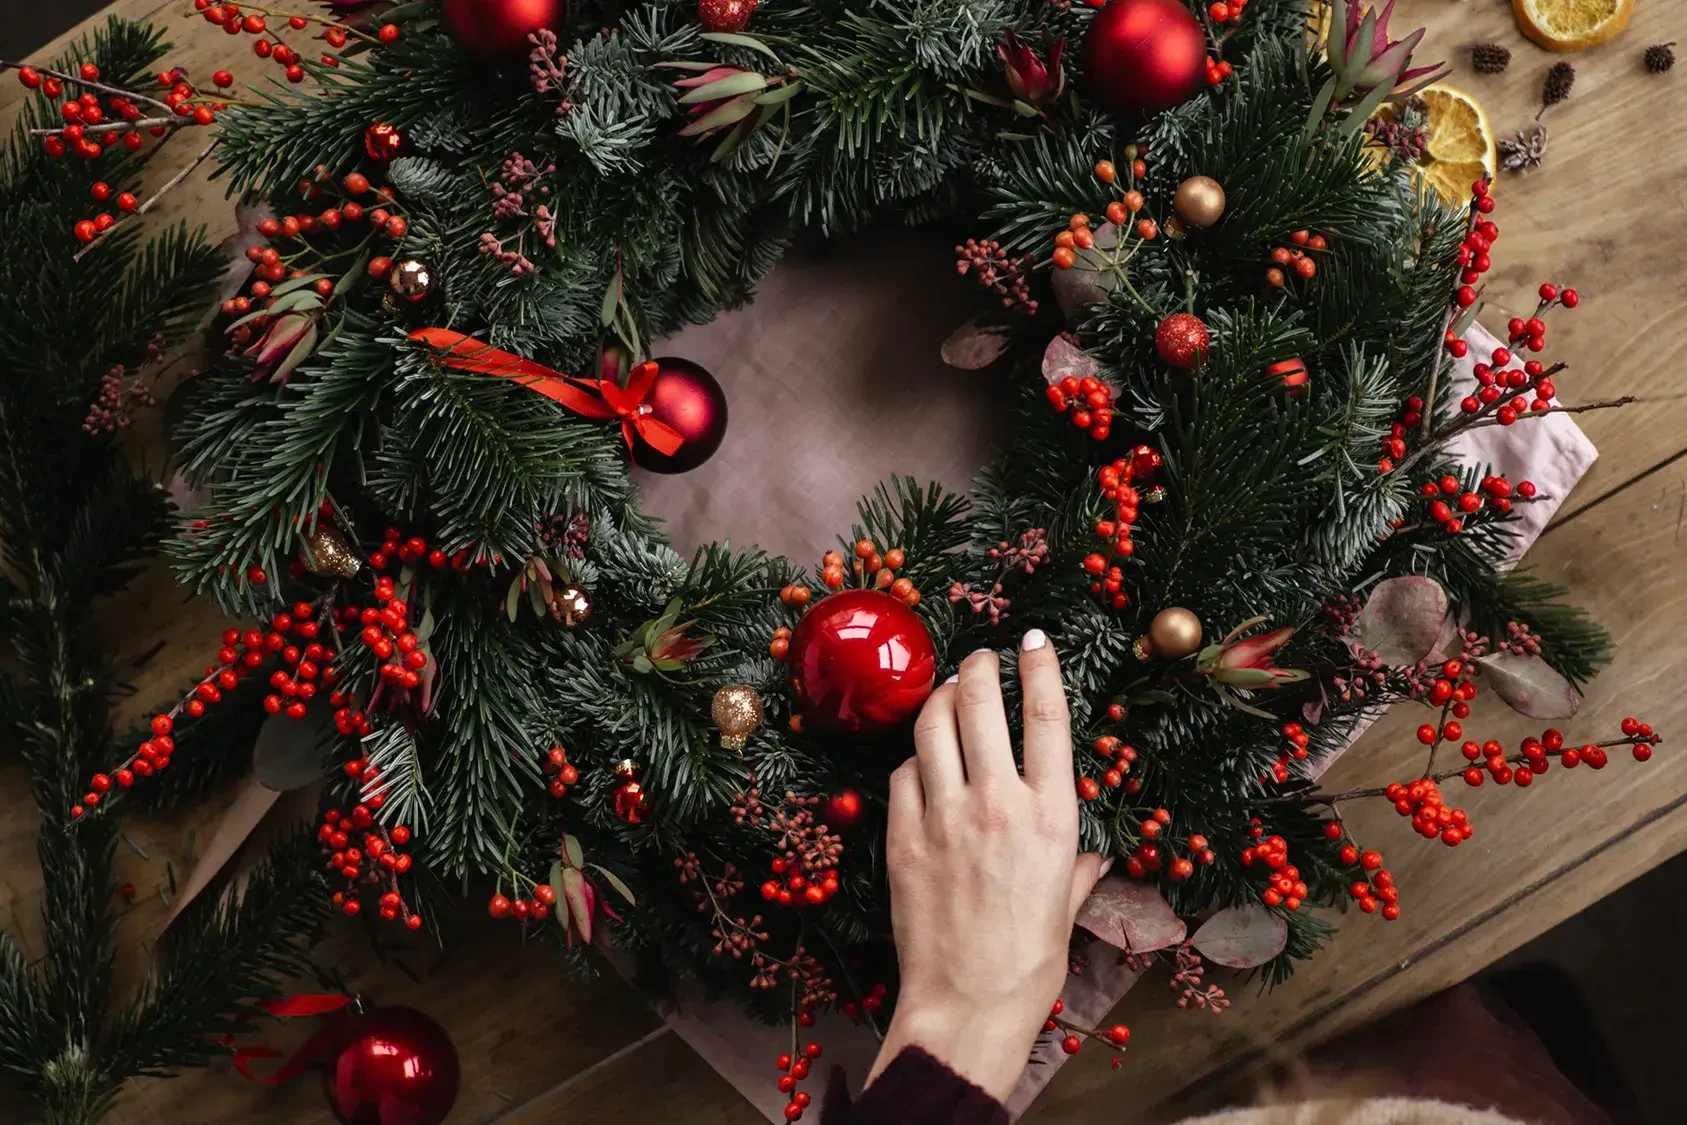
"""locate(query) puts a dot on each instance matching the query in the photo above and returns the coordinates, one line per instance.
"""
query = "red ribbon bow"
(314, 1049)
(610, 400)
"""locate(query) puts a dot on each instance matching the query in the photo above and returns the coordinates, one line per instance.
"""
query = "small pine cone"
(1490, 58)
(1659, 57)
(1559, 79)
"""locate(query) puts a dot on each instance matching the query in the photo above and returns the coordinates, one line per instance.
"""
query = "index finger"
(1048, 731)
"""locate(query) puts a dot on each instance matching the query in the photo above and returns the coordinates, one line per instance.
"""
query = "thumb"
(1088, 869)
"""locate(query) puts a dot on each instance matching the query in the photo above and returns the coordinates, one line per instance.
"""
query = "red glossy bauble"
(1142, 56)
(843, 810)
(1182, 340)
(861, 662)
(686, 397)
(497, 30)
(394, 1066)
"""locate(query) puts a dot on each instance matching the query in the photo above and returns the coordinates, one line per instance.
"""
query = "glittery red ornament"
(725, 15)
(861, 662)
(686, 397)
(392, 1066)
(1142, 56)
(1181, 340)
(1145, 464)
(497, 30)
(629, 799)
(843, 811)
(382, 141)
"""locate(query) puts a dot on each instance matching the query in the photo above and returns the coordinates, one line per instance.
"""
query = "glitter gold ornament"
(1200, 200)
(1175, 632)
(737, 711)
(411, 279)
(325, 551)
(570, 603)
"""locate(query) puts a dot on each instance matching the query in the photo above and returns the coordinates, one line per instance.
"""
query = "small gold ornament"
(1142, 649)
(1174, 228)
(1154, 494)
(411, 279)
(325, 551)
(737, 711)
(1200, 200)
(1175, 633)
(570, 604)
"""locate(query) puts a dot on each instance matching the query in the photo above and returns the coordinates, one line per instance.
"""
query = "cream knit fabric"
(1362, 1111)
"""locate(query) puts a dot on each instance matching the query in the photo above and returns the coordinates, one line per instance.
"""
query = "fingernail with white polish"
(953, 679)
(1106, 865)
(1034, 640)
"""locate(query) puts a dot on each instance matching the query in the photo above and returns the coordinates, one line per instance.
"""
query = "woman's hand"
(984, 873)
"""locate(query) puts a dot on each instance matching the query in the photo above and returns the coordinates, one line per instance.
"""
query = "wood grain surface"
(1607, 213)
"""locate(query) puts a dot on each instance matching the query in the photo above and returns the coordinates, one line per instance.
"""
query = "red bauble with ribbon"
(497, 30)
(391, 1066)
(1143, 56)
(687, 399)
(861, 662)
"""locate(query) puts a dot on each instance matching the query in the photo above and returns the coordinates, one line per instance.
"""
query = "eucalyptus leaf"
(1401, 620)
(1242, 937)
(1529, 685)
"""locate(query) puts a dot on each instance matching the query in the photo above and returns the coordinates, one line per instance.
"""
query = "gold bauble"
(1175, 633)
(570, 603)
(411, 279)
(325, 551)
(737, 711)
(1174, 228)
(1200, 200)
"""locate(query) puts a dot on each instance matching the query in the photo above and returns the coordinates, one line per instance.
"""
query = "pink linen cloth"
(834, 382)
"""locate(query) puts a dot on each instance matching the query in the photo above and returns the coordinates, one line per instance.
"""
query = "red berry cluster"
(1295, 259)
(234, 19)
(1473, 255)
(793, 1068)
(536, 907)
(387, 633)
(1152, 851)
(296, 688)
(870, 1003)
(378, 862)
(1283, 883)
(1087, 401)
(561, 773)
(1221, 12)
(1298, 739)
(1495, 383)
(1073, 1041)
(1115, 481)
(415, 551)
(1119, 758)
(1394, 445)
(1450, 506)
(90, 126)
(805, 867)
(1377, 888)
(1421, 800)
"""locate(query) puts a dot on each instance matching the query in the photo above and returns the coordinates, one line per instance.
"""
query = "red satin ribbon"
(610, 401)
(313, 1049)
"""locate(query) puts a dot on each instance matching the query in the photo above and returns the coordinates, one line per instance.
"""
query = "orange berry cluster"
(780, 645)
(793, 1069)
(795, 595)
(561, 773)
(536, 907)
(1294, 259)
(870, 567)
(1296, 734)
(1087, 401)
(378, 861)
(1078, 235)
(1283, 883)
(1421, 800)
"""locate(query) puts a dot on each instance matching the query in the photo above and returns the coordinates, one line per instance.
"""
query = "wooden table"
(1607, 213)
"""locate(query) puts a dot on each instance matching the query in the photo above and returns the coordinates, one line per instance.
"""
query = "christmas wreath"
(1225, 314)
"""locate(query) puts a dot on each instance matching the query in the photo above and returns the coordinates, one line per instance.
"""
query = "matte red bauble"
(394, 1066)
(861, 662)
(687, 398)
(1142, 56)
(843, 810)
(1181, 340)
(497, 30)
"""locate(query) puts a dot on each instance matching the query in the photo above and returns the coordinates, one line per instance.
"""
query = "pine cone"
(1659, 57)
(1490, 58)
(1559, 79)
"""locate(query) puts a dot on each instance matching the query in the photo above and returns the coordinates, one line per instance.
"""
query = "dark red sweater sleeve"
(915, 1089)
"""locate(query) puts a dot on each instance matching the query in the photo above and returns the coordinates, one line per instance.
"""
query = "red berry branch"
(1111, 250)
(1072, 1041)
(1115, 481)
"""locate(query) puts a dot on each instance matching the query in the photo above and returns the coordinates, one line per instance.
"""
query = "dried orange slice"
(1571, 25)
(1459, 146)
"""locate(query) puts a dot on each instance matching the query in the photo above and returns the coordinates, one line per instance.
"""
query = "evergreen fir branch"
(420, 179)
(393, 751)
(929, 524)
(239, 948)
(26, 1025)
